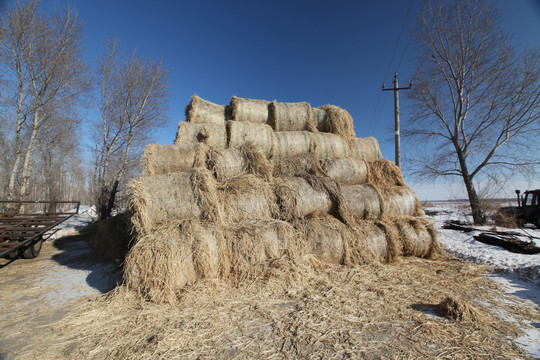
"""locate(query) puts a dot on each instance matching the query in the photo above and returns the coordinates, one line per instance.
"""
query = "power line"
(399, 38)
(409, 40)
(390, 62)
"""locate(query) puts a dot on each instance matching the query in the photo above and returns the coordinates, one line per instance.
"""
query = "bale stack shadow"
(254, 182)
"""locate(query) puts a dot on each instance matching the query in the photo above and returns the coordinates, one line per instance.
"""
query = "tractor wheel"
(537, 222)
(33, 250)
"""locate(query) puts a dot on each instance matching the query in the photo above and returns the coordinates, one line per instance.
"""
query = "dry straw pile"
(257, 182)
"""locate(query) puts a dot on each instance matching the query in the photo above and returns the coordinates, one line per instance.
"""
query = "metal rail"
(19, 230)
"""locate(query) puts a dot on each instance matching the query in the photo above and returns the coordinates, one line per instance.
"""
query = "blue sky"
(321, 52)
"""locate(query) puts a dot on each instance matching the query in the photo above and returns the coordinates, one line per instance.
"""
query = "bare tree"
(42, 73)
(477, 98)
(133, 102)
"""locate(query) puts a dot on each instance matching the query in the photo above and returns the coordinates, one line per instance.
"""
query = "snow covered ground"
(518, 274)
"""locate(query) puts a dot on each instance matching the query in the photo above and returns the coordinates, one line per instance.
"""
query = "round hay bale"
(161, 263)
(214, 136)
(367, 244)
(200, 111)
(346, 171)
(363, 201)
(336, 121)
(206, 194)
(163, 159)
(111, 238)
(256, 162)
(365, 148)
(384, 174)
(250, 110)
(298, 165)
(416, 240)
(291, 143)
(328, 146)
(155, 199)
(210, 256)
(400, 200)
(246, 198)
(319, 119)
(229, 163)
(226, 164)
(325, 237)
(259, 242)
(243, 133)
(291, 116)
(296, 198)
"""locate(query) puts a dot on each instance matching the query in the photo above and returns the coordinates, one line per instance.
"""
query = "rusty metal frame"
(19, 230)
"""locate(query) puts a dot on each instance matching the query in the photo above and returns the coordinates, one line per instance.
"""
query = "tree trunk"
(28, 157)
(474, 201)
(12, 194)
(106, 201)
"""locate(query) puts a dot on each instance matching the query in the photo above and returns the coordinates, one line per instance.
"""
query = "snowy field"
(518, 274)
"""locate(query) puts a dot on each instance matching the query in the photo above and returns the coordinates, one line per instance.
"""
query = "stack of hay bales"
(256, 181)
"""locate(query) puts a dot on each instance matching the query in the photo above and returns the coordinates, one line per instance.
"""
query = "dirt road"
(36, 293)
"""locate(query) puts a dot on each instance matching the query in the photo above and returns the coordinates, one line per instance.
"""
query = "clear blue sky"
(321, 52)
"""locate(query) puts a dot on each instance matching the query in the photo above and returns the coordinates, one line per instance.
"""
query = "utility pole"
(396, 116)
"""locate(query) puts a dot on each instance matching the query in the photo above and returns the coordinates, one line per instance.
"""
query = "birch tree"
(133, 103)
(477, 98)
(42, 73)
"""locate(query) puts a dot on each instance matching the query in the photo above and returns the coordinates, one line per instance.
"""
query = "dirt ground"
(36, 293)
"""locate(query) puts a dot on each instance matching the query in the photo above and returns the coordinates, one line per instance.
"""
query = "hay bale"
(256, 162)
(200, 111)
(296, 198)
(175, 255)
(328, 146)
(346, 171)
(201, 156)
(247, 159)
(319, 119)
(163, 159)
(226, 164)
(214, 136)
(299, 165)
(161, 262)
(364, 202)
(367, 244)
(250, 110)
(414, 236)
(291, 143)
(401, 200)
(364, 148)
(384, 174)
(242, 133)
(205, 191)
(335, 120)
(211, 253)
(246, 198)
(111, 238)
(291, 116)
(155, 199)
(258, 243)
(325, 237)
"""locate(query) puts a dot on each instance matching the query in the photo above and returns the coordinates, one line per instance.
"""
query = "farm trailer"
(23, 224)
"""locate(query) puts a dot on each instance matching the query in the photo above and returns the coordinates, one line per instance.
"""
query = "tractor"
(527, 211)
